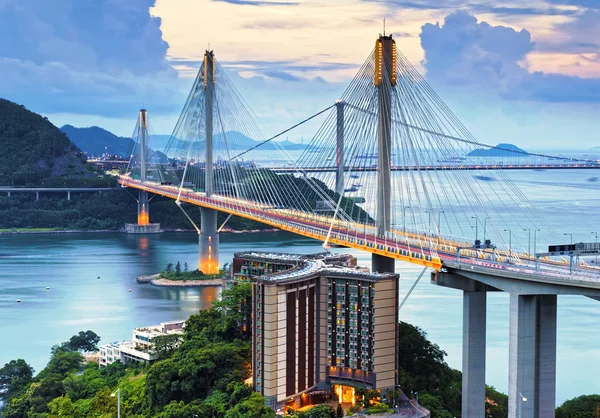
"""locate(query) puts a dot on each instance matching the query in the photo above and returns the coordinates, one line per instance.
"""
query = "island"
(173, 276)
(500, 150)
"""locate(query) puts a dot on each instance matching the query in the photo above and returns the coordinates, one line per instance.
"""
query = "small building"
(140, 347)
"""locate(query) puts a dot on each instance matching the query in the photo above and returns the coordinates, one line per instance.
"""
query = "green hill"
(96, 141)
(500, 150)
(34, 150)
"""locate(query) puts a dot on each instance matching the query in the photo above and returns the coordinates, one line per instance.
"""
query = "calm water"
(70, 265)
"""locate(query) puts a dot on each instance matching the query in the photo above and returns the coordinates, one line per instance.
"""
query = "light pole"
(440, 222)
(534, 240)
(596, 249)
(404, 218)
(528, 240)
(571, 238)
(485, 227)
(476, 225)
(509, 241)
(521, 400)
(118, 393)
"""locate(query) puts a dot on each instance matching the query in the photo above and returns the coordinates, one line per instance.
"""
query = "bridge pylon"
(208, 252)
(384, 79)
(143, 225)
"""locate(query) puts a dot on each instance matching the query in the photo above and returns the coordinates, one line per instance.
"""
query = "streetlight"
(523, 399)
(571, 238)
(509, 241)
(404, 218)
(534, 240)
(528, 240)
(118, 393)
(485, 226)
(476, 223)
(440, 222)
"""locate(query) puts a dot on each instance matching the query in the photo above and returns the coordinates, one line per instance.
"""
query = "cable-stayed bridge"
(346, 188)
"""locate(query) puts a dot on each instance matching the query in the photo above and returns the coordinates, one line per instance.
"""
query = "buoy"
(129, 290)
(18, 300)
(47, 288)
(98, 277)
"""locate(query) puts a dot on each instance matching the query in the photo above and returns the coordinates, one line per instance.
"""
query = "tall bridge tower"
(208, 257)
(384, 80)
(143, 225)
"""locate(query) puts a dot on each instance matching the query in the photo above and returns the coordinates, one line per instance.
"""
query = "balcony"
(350, 374)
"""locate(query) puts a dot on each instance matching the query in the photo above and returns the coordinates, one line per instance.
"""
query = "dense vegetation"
(177, 272)
(91, 211)
(34, 150)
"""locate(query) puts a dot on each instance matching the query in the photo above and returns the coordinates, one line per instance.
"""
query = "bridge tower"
(143, 225)
(339, 150)
(384, 80)
(208, 257)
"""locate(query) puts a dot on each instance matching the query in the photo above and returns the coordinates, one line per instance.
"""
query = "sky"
(525, 72)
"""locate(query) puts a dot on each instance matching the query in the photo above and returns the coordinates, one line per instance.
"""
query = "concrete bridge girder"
(532, 340)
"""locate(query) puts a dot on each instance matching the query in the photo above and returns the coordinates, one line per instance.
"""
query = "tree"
(164, 345)
(178, 268)
(185, 266)
(84, 341)
(169, 268)
(14, 377)
(585, 406)
(340, 411)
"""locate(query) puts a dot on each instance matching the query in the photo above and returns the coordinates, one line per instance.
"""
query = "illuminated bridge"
(345, 189)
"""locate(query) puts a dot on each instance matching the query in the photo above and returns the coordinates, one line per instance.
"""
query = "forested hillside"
(33, 151)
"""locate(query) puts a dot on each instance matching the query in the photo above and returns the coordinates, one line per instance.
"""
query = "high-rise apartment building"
(320, 326)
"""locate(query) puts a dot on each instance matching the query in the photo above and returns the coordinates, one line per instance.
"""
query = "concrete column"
(339, 155)
(385, 51)
(68, 195)
(473, 363)
(208, 257)
(143, 204)
(37, 195)
(532, 356)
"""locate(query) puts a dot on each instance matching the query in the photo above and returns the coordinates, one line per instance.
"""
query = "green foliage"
(164, 345)
(435, 405)
(14, 377)
(586, 406)
(319, 411)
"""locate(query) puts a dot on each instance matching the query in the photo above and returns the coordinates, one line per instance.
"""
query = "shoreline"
(16, 231)
(155, 280)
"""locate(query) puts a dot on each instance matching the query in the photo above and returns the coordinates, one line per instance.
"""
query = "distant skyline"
(524, 72)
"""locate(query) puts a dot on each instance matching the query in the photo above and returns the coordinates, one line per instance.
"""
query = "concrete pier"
(384, 79)
(208, 252)
(532, 356)
(473, 363)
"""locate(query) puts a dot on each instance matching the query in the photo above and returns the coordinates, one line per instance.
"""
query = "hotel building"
(321, 326)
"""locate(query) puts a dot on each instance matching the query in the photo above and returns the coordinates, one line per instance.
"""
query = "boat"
(351, 189)
(484, 178)
(353, 176)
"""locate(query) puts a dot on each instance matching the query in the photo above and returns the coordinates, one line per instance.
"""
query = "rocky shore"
(155, 280)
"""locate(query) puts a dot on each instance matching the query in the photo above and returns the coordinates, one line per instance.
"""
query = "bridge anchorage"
(343, 190)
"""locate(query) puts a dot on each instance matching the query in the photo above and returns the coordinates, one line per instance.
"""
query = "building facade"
(321, 326)
(139, 348)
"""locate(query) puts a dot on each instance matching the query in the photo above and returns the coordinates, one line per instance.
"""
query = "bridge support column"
(68, 195)
(208, 259)
(473, 363)
(37, 195)
(339, 151)
(384, 79)
(532, 356)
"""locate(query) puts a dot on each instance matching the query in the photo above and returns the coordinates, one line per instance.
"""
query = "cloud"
(465, 52)
(105, 56)
(259, 3)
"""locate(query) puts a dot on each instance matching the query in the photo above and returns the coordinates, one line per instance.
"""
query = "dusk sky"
(526, 72)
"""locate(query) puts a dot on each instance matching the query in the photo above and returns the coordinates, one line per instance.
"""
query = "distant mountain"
(595, 149)
(34, 151)
(500, 150)
(96, 141)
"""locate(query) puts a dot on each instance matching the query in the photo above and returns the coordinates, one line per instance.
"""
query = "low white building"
(140, 347)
